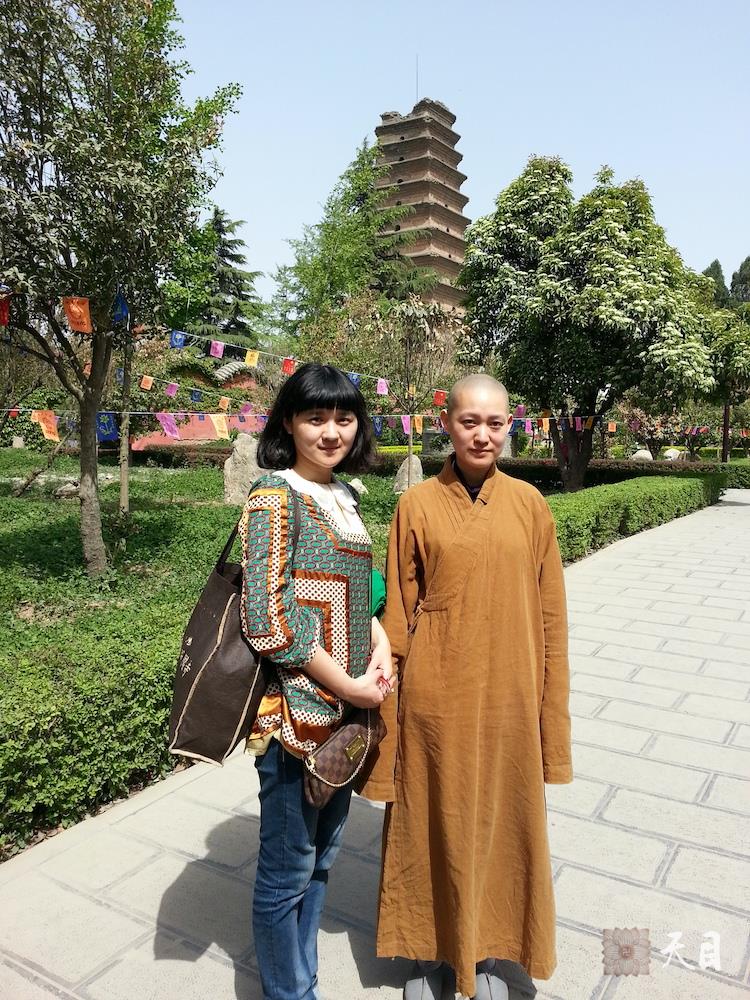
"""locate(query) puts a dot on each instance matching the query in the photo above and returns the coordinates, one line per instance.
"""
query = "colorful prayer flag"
(611, 427)
(520, 410)
(168, 424)
(288, 365)
(579, 424)
(392, 422)
(411, 391)
(529, 429)
(5, 311)
(47, 421)
(77, 313)
(147, 382)
(382, 387)
(377, 423)
(220, 424)
(406, 423)
(121, 311)
(119, 375)
(354, 378)
(440, 397)
(545, 425)
(196, 395)
(251, 359)
(418, 423)
(589, 423)
(217, 349)
(171, 389)
(106, 427)
(246, 408)
(224, 403)
(14, 413)
(177, 338)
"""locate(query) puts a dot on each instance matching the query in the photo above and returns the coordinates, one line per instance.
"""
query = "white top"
(334, 498)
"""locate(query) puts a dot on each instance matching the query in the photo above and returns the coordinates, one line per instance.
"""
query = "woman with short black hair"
(307, 561)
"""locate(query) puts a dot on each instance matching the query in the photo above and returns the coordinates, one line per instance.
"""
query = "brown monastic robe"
(477, 622)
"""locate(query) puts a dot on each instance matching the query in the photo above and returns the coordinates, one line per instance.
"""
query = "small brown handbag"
(338, 761)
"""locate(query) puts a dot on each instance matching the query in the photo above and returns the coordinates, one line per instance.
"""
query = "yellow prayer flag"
(589, 423)
(220, 424)
(146, 382)
(224, 403)
(545, 425)
(251, 358)
(412, 391)
(418, 424)
(47, 422)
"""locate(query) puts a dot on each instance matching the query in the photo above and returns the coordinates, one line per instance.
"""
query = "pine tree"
(721, 292)
(740, 288)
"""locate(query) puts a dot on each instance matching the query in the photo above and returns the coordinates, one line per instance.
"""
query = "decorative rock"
(359, 486)
(18, 441)
(672, 454)
(68, 491)
(241, 469)
(403, 479)
(644, 455)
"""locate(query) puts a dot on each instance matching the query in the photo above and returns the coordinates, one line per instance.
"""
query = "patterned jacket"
(294, 598)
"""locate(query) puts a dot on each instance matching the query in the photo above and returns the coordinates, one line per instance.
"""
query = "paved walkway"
(151, 898)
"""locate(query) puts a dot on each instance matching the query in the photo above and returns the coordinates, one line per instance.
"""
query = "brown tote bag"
(220, 679)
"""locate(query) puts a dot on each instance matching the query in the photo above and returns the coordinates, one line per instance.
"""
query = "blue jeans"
(298, 845)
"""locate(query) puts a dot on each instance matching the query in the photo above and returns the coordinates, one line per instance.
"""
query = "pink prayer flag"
(168, 424)
(217, 349)
(520, 410)
(529, 429)
(246, 408)
(579, 424)
(382, 389)
(406, 423)
(391, 421)
(171, 389)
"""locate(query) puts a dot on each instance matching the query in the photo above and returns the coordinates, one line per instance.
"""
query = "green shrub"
(594, 517)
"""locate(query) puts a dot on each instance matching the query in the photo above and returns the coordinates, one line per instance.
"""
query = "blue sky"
(658, 90)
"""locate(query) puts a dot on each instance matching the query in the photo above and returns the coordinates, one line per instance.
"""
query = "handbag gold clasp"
(356, 748)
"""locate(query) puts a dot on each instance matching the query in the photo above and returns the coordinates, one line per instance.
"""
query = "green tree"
(740, 287)
(102, 169)
(354, 248)
(722, 297)
(231, 302)
(584, 300)
(729, 344)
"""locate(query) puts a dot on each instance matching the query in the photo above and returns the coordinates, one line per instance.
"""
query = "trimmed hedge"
(86, 667)
(595, 517)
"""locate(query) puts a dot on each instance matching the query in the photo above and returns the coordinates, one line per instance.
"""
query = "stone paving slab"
(151, 898)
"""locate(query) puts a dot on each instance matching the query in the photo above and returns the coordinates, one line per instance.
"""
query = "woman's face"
(322, 438)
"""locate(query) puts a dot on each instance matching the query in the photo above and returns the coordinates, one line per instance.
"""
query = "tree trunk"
(725, 447)
(125, 429)
(410, 451)
(654, 446)
(573, 451)
(94, 552)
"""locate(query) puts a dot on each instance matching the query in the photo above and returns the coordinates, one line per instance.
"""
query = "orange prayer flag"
(545, 425)
(147, 382)
(224, 403)
(47, 422)
(418, 423)
(612, 427)
(77, 314)
(589, 423)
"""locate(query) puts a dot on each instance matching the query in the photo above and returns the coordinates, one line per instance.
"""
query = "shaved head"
(480, 381)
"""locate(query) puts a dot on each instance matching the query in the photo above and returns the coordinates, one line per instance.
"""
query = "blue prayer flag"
(354, 378)
(106, 427)
(121, 309)
(377, 423)
(196, 395)
(119, 375)
(177, 338)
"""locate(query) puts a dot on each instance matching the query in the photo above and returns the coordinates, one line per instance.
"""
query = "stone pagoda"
(419, 148)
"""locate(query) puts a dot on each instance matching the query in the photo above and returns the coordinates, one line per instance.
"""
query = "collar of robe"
(451, 481)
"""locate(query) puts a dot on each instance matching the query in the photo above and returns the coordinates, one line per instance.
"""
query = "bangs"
(325, 388)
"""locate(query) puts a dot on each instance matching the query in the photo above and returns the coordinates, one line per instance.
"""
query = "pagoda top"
(420, 110)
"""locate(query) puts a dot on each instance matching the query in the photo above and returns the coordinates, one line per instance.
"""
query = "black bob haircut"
(316, 387)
